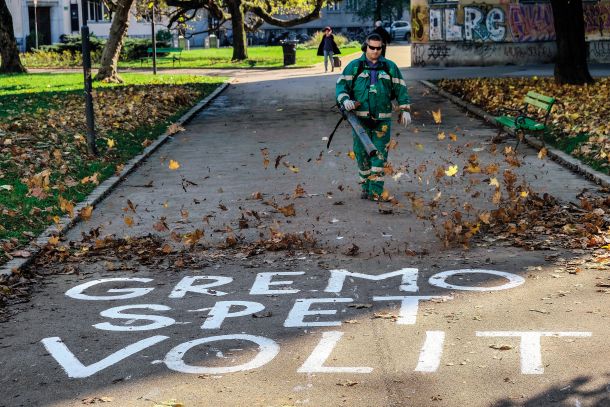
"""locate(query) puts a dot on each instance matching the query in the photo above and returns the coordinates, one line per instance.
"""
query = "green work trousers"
(371, 168)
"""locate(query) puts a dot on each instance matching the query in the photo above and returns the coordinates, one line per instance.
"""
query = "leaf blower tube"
(352, 119)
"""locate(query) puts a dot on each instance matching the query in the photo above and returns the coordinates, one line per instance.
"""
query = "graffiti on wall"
(599, 51)
(488, 53)
(597, 20)
(485, 22)
(477, 24)
(420, 24)
(531, 22)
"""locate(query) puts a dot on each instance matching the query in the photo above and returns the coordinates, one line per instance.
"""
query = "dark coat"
(385, 36)
(321, 47)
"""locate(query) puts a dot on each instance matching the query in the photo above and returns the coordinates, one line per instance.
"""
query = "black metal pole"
(154, 40)
(84, 32)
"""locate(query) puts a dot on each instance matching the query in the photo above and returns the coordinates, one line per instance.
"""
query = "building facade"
(341, 16)
(497, 32)
(50, 19)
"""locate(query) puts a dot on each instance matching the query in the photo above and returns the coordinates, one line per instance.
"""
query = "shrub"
(73, 44)
(136, 48)
(340, 39)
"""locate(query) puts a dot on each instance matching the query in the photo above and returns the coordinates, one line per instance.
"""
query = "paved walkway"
(313, 334)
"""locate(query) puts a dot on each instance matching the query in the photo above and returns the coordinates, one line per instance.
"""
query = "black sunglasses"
(374, 48)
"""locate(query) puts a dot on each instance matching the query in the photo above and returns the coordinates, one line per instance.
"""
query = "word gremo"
(301, 315)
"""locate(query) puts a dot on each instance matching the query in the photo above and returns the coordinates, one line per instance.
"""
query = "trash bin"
(213, 41)
(289, 48)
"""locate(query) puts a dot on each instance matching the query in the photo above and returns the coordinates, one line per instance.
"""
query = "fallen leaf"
(173, 165)
(451, 171)
(542, 153)
(436, 115)
(86, 212)
(287, 210)
(174, 128)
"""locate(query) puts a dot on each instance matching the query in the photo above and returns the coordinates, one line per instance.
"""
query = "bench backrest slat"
(539, 104)
(165, 50)
(541, 97)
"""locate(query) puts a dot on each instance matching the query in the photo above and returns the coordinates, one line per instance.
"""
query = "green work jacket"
(374, 103)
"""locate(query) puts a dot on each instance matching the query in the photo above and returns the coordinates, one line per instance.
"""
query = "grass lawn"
(259, 57)
(44, 166)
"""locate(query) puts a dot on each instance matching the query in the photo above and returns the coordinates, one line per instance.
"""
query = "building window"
(98, 12)
(333, 6)
(351, 4)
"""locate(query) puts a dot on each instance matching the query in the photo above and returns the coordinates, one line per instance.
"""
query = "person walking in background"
(385, 36)
(328, 48)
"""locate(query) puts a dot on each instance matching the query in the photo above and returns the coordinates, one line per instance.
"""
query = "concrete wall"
(496, 32)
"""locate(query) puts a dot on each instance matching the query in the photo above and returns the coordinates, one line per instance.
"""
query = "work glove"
(349, 105)
(404, 118)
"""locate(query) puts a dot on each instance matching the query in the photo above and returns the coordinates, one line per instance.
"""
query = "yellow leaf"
(66, 206)
(494, 182)
(473, 169)
(56, 219)
(441, 135)
(385, 195)
(294, 169)
(86, 212)
(542, 153)
(173, 165)
(524, 194)
(437, 116)
(351, 155)
(53, 240)
(128, 221)
(453, 136)
(419, 146)
(111, 143)
(451, 171)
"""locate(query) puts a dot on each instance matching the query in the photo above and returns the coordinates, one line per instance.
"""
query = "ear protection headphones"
(374, 37)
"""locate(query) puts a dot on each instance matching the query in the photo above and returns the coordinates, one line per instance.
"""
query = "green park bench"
(524, 120)
(165, 54)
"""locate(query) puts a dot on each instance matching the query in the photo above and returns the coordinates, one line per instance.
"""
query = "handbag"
(336, 62)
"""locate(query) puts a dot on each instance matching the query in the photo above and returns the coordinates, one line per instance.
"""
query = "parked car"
(401, 30)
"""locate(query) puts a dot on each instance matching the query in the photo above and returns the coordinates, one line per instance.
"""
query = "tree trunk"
(9, 54)
(378, 6)
(112, 50)
(240, 46)
(571, 64)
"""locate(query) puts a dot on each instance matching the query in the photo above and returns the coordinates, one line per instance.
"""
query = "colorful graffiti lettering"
(419, 24)
(478, 25)
(531, 22)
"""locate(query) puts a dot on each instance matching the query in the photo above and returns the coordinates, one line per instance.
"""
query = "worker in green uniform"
(367, 86)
